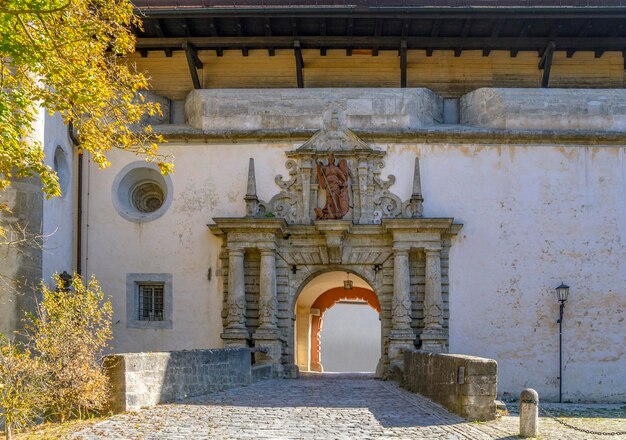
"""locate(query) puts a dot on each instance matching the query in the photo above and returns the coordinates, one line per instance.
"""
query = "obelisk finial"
(252, 201)
(416, 197)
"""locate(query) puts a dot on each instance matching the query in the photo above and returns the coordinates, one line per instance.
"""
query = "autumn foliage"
(67, 56)
(56, 371)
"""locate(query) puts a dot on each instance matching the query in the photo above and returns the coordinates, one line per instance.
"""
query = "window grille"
(150, 302)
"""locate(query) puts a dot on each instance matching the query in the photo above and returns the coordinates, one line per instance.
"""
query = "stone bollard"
(528, 413)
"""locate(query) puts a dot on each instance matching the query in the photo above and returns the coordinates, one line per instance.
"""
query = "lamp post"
(562, 292)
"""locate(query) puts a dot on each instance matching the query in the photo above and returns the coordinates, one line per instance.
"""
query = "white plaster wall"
(534, 216)
(58, 214)
(210, 181)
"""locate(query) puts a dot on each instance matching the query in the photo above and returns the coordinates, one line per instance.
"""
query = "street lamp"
(562, 292)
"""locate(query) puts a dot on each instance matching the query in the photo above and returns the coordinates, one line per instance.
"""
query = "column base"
(235, 337)
(434, 340)
(317, 367)
(269, 343)
(400, 340)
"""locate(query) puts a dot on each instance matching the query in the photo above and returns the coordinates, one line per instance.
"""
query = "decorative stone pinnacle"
(416, 197)
(252, 201)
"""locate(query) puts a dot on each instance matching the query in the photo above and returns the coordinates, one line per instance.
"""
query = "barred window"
(150, 302)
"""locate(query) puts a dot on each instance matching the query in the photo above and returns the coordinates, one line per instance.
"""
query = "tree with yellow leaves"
(65, 56)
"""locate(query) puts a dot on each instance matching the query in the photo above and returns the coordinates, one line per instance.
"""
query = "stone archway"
(314, 296)
(270, 254)
(324, 302)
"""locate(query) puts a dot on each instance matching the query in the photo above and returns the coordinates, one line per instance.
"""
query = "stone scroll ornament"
(350, 178)
(335, 180)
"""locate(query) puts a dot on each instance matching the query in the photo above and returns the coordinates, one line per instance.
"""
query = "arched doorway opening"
(318, 296)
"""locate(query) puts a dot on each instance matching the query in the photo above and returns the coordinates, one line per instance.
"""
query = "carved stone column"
(402, 335)
(236, 334)
(267, 289)
(267, 336)
(434, 335)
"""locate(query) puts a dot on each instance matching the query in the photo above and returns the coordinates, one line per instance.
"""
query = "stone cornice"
(224, 225)
(460, 134)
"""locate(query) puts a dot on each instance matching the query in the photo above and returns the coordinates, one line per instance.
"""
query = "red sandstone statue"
(334, 179)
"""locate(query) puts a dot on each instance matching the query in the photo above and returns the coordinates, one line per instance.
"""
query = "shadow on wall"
(350, 338)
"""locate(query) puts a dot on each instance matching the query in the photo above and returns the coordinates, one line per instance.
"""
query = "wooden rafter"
(545, 63)
(194, 63)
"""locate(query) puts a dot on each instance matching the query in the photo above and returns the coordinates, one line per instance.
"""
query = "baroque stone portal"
(269, 255)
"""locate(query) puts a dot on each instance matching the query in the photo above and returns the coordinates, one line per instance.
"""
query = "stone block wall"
(466, 385)
(552, 109)
(254, 109)
(146, 379)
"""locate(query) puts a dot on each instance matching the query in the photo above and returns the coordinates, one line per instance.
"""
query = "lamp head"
(562, 292)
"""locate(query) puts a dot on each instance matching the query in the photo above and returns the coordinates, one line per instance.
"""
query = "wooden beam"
(495, 33)
(378, 32)
(434, 33)
(545, 63)
(194, 64)
(213, 29)
(158, 26)
(268, 33)
(386, 43)
(403, 63)
(350, 32)
(466, 28)
(585, 29)
(323, 34)
(523, 34)
(187, 27)
(299, 64)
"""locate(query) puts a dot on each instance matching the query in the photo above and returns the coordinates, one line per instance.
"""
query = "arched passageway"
(316, 298)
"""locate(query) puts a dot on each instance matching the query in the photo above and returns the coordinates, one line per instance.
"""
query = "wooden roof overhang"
(543, 26)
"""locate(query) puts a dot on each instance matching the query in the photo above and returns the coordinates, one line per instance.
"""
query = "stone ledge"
(461, 134)
(466, 385)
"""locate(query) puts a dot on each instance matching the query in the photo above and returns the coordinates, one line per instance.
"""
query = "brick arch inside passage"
(324, 302)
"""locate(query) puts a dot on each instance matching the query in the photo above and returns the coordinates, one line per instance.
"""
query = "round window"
(141, 193)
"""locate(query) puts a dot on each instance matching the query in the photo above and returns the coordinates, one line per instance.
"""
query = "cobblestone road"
(314, 407)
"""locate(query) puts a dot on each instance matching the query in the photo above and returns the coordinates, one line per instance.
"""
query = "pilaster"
(434, 336)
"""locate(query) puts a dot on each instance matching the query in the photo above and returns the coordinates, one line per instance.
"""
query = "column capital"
(235, 251)
(432, 251)
(267, 250)
(401, 248)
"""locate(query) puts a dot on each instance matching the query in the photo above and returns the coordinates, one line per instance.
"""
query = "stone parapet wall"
(466, 385)
(572, 109)
(146, 379)
(258, 109)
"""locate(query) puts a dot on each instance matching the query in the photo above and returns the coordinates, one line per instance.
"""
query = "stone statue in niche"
(334, 179)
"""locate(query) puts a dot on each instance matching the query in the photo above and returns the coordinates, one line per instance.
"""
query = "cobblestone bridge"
(322, 406)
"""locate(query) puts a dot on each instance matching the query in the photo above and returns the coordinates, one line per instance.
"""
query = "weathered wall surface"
(59, 214)
(466, 385)
(147, 379)
(297, 108)
(533, 215)
(20, 250)
(545, 109)
(40, 231)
